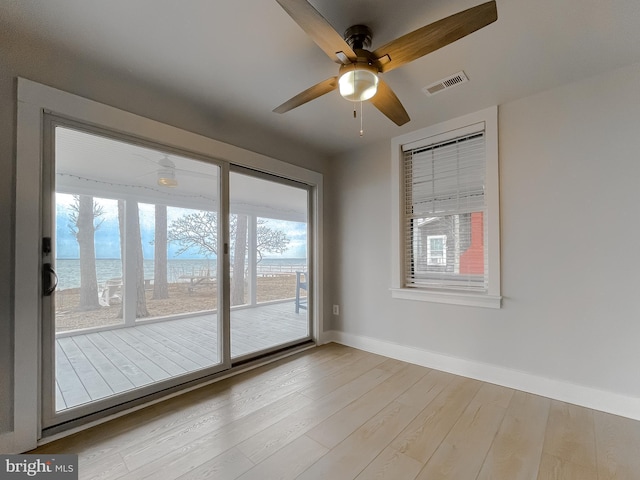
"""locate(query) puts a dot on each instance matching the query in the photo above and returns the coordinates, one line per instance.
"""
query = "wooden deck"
(96, 365)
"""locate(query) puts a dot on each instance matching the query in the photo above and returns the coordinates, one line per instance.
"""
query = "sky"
(107, 236)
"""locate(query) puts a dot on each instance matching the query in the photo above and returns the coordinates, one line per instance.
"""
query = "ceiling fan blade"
(434, 36)
(328, 85)
(320, 31)
(387, 102)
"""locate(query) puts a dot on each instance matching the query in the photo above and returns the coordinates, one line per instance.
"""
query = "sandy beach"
(181, 300)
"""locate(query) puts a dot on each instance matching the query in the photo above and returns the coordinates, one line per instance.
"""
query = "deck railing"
(265, 270)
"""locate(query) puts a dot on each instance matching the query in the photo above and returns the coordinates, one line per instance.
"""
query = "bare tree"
(270, 240)
(134, 257)
(160, 283)
(141, 304)
(82, 225)
(199, 231)
(239, 253)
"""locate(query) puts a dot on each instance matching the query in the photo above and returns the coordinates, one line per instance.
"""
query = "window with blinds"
(444, 214)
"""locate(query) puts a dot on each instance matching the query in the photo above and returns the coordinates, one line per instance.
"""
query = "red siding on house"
(472, 260)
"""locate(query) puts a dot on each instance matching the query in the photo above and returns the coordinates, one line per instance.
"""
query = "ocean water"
(68, 270)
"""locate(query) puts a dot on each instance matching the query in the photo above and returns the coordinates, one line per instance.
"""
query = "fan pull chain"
(355, 68)
(361, 128)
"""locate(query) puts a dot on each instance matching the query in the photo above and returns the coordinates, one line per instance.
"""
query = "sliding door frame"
(310, 249)
(34, 100)
(51, 417)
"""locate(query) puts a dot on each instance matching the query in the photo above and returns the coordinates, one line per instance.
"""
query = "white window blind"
(444, 214)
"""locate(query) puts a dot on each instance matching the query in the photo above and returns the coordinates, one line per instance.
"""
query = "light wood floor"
(92, 366)
(334, 412)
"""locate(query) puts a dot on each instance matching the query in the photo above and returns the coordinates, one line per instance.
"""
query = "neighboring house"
(453, 244)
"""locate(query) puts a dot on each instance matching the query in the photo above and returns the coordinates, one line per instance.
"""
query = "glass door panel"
(135, 247)
(269, 263)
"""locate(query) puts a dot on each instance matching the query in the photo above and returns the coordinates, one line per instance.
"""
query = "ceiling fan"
(358, 77)
(167, 173)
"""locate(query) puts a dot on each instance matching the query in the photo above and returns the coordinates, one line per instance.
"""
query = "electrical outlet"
(336, 309)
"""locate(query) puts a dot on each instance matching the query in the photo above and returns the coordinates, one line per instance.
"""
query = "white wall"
(570, 233)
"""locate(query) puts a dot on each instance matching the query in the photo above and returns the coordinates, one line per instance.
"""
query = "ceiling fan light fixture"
(358, 83)
(167, 178)
(167, 174)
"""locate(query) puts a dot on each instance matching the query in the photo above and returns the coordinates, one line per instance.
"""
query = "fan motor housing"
(358, 37)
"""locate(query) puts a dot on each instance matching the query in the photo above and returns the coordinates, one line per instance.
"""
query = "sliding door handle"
(49, 279)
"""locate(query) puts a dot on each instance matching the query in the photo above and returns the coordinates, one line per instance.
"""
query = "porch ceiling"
(100, 166)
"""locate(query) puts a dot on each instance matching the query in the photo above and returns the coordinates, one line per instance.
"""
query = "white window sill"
(452, 298)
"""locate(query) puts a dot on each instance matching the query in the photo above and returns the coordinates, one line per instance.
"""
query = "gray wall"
(570, 233)
(20, 56)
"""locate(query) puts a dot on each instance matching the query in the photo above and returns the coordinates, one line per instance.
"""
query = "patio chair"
(111, 292)
(301, 284)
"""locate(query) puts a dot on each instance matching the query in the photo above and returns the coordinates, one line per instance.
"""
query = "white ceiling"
(249, 55)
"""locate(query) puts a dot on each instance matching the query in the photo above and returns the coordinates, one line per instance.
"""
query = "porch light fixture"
(358, 82)
(167, 173)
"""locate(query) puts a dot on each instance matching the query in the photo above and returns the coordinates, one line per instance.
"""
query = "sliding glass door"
(269, 238)
(161, 268)
(134, 234)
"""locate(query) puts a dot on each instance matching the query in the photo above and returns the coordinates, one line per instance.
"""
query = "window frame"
(486, 119)
(443, 250)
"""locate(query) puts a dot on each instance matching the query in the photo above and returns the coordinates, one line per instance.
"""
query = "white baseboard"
(596, 399)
